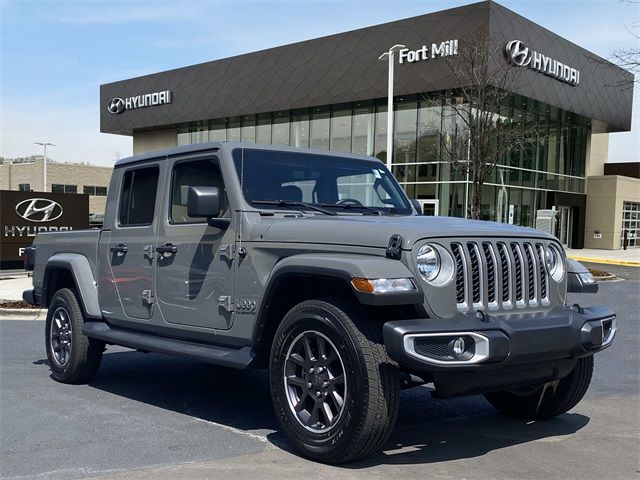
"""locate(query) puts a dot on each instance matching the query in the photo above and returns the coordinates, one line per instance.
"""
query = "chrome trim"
(481, 347)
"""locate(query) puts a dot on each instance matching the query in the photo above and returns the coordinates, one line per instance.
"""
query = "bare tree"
(485, 132)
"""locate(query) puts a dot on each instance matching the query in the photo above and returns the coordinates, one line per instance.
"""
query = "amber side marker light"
(383, 285)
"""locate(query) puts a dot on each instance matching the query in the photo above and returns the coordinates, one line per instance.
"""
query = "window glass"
(405, 130)
(263, 128)
(280, 132)
(24, 187)
(233, 129)
(217, 130)
(198, 173)
(138, 198)
(380, 141)
(341, 129)
(60, 188)
(322, 179)
(101, 191)
(200, 132)
(89, 190)
(363, 129)
(429, 128)
(248, 131)
(300, 128)
(320, 128)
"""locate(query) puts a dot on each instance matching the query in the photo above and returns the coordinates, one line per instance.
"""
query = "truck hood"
(375, 231)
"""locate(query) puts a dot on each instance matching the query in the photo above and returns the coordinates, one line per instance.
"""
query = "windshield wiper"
(293, 203)
(352, 206)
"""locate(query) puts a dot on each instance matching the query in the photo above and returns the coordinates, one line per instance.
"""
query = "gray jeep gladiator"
(317, 266)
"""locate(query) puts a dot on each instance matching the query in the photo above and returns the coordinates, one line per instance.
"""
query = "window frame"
(119, 223)
(214, 159)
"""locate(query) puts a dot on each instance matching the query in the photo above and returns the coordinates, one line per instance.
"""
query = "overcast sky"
(55, 54)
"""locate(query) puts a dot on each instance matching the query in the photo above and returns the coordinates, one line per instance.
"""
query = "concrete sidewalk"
(11, 287)
(630, 257)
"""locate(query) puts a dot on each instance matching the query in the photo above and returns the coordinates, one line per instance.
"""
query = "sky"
(55, 54)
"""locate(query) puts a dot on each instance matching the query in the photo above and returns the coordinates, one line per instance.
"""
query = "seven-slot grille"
(499, 274)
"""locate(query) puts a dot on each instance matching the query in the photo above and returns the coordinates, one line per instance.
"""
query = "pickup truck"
(317, 266)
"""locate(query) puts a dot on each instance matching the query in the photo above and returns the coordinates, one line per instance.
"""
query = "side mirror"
(579, 279)
(417, 206)
(205, 202)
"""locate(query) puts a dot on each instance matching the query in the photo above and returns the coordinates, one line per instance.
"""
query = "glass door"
(430, 207)
(565, 226)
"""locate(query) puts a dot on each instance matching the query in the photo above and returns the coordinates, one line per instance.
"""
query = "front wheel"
(73, 357)
(334, 390)
(548, 400)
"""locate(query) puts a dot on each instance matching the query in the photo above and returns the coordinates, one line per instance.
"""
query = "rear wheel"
(334, 389)
(73, 357)
(548, 400)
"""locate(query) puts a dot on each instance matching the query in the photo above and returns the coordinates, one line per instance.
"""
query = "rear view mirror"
(205, 202)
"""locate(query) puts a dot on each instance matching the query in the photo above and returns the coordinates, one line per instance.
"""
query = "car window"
(196, 173)
(270, 175)
(138, 196)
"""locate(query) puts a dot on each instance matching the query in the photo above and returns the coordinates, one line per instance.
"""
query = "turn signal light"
(383, 285)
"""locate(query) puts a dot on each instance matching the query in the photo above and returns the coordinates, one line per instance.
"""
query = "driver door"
(194, 268)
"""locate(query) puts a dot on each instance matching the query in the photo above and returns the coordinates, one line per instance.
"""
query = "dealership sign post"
(24, 214)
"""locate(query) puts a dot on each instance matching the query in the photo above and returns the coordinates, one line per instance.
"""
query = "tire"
(80, 358)
(370, 392)
(555, 401)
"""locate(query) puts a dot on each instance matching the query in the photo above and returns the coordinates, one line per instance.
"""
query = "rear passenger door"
(132, 240)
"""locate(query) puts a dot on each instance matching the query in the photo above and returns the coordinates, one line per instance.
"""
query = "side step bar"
(226, 357)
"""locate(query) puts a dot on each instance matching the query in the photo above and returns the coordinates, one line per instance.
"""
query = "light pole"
(45, 144)
(390, 54)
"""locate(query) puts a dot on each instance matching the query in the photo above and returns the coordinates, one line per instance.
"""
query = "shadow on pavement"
(467, 438)
(241, 399)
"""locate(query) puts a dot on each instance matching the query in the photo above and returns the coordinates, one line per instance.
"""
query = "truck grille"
(500, 275)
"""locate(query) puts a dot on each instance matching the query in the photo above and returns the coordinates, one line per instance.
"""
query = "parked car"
(317, 266)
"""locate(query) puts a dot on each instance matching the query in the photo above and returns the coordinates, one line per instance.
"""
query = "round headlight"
(555, 265)
(428, 262)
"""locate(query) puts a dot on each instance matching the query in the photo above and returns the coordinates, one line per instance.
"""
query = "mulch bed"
(16, 304)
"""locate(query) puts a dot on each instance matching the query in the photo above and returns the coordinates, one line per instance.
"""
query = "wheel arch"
(308, 276)
(71, 270)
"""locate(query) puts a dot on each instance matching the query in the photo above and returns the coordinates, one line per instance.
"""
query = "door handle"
(167, 249)
(119, 249)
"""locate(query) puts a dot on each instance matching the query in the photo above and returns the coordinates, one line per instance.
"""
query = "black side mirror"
(417, 206)
(205, 202)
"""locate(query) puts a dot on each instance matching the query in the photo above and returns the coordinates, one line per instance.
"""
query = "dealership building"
(331, 93)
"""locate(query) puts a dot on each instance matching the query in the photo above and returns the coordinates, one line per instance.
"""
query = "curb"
(23, 313)
(622, 263)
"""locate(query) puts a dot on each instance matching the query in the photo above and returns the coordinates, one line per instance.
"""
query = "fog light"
(459, 347)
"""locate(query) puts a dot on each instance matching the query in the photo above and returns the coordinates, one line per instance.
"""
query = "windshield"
(336, 183)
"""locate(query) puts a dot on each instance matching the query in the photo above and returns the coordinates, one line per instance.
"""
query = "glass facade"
(425, 130)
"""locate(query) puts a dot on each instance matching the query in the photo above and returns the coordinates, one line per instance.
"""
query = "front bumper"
(524, 346)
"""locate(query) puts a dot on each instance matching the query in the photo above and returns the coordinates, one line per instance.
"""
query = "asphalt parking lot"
(151, 416)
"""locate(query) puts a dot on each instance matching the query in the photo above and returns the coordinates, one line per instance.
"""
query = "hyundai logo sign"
(118, 105)
(519, 55)
(39, 210)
